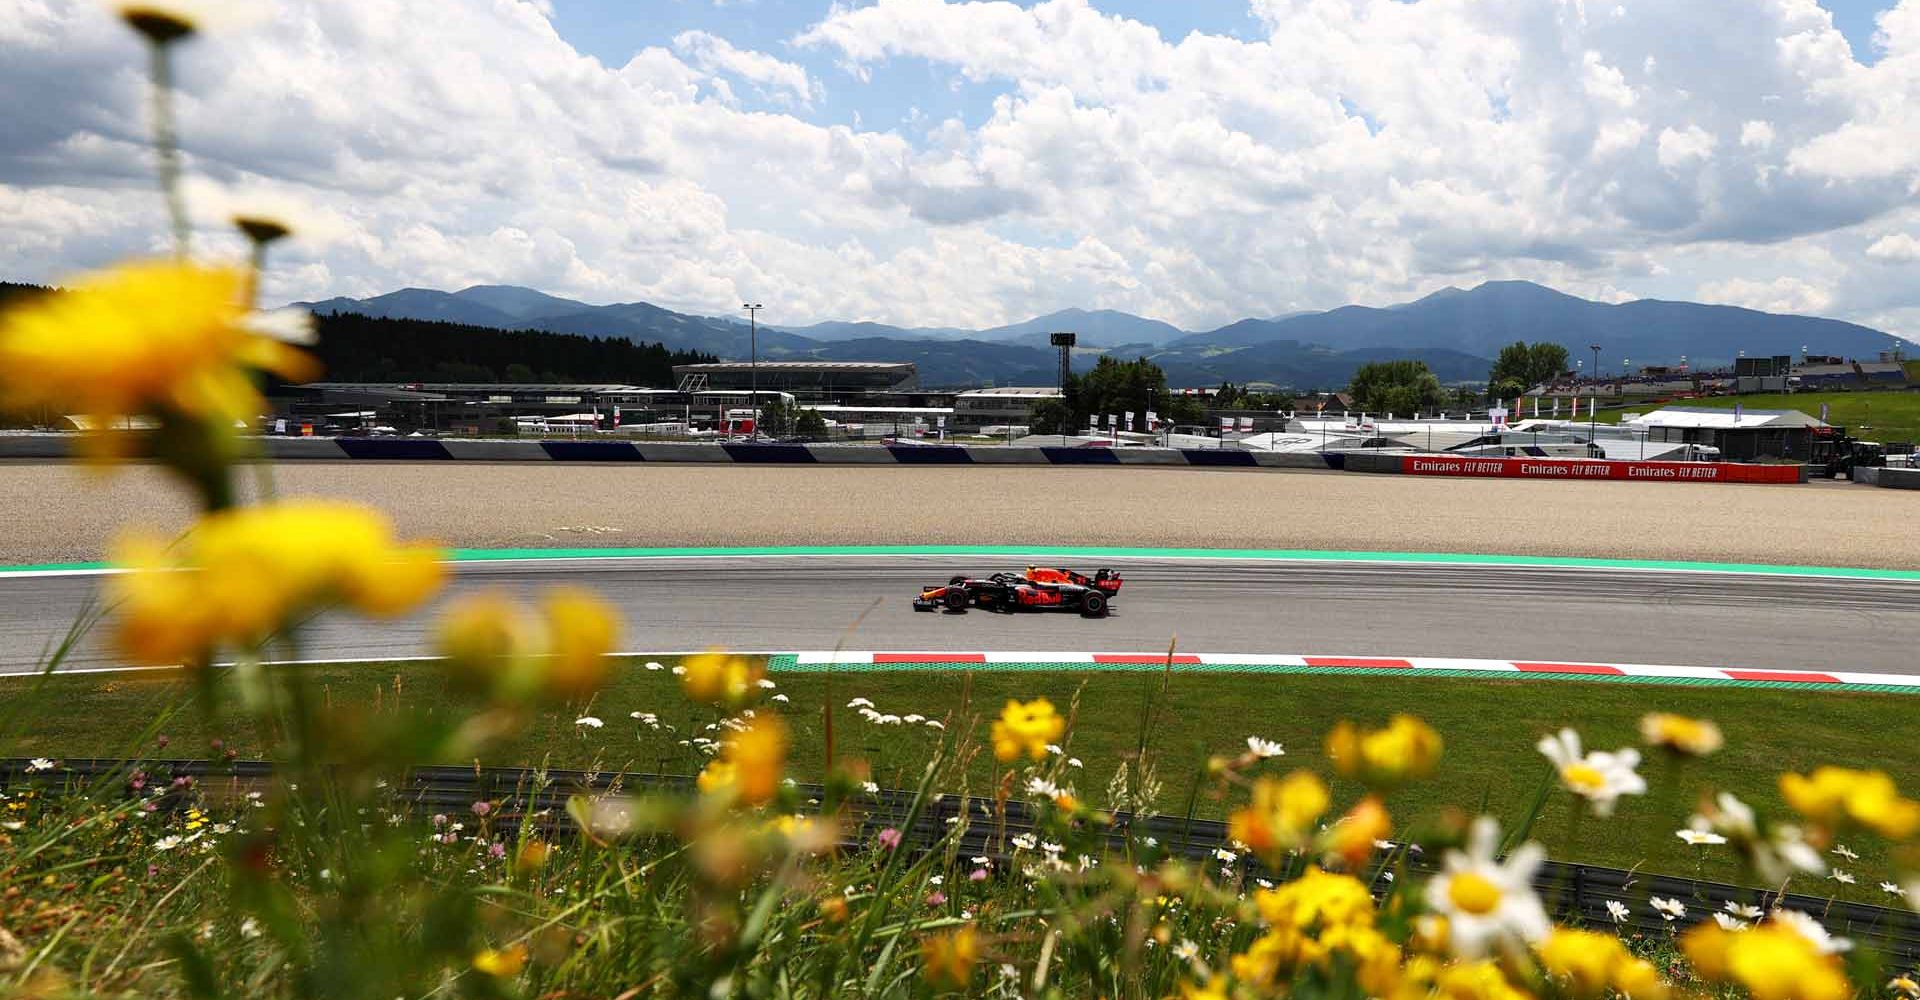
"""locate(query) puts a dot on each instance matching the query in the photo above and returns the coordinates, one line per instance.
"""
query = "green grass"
(1490, 728)
(1875, 416)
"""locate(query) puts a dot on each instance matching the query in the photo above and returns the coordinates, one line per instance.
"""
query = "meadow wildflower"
(1280, 814)
(148, 338)
(1618, 911)
(1832, 797)
(947, 960)
(1026, 728)
(720, 678)
(1773, 961)
(1488, 904)
(1407, 749)
(1699, 838)
(1600, 778)
(1680, 734)
(501, 963)
(581, 629)
(1669, 909)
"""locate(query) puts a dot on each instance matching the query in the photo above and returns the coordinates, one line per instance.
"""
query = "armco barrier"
(1893, 479)
(1579, 893)
(1573, 468)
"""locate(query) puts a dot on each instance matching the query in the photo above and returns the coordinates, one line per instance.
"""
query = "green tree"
(1521, 366)
(1396, 387)
(790, 420)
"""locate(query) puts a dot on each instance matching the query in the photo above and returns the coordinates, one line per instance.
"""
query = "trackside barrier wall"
(1893, 479)
(1549, 468)
(608, 450)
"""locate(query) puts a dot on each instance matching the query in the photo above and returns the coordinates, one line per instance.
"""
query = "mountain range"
(1455, 331)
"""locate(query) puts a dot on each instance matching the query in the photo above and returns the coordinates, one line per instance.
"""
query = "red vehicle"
(1039, 589)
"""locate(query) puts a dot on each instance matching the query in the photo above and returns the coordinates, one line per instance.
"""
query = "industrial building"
(1002, 406)
(821, 381)
(1741, 435)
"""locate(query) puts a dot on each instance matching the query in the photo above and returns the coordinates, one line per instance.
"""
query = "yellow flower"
(1583, 961)
(1773, 961)
(1351, 837)
(1832, 796)
(717, 778)
(1271, 954)
(716, 677)
(1317, 899)
(481, 634)
(244, 573)
(501, 963)
(581, 631)
(1693, 737)
(1215, 989)
(1405, 750)
(1026, 729)
(947, 960)
(1374, 959)
(1281, 813)
(1480, 980)
(754, 760)
(144, 338)
(1637, 979)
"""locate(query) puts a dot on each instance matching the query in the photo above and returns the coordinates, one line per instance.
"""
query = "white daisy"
(1743, 910)
(1892, 889)
(1225, 855)
(679, 671)
(1699, 837)
(655, 665)
(1842, 850)
(1264, 748)
(1489, 904)
(870, 788)
(1669, 909)
(913, 717)
(859, 703)
(1774, 858)
(589, 722)
(1025, 841)
(166, 843)
(1186, 950)
(1600, 778)
(1844, 878)
(781, 698)
(1041, 786)
(1811, 929)
(765, 684)
(1074, 762)
(936, 724)
(1618, 911)
(1729, 923)
(39, 764)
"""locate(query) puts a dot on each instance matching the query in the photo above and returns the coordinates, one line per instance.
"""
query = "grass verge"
(1875, 416)
(1490, 728)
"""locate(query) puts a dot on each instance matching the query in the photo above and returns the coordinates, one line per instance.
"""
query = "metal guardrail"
(1572, 891)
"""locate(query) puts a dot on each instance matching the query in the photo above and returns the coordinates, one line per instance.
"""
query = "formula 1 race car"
(1039, 589)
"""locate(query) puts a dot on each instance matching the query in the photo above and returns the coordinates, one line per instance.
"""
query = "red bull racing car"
(1040, 588)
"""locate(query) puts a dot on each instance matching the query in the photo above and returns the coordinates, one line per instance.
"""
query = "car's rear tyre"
(956, 600)
(1094, 605)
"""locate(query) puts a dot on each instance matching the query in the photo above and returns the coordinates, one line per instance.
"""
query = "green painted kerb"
(1097, 553)
(787, 663)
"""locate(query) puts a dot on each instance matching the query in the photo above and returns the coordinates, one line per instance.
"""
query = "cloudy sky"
(940, 162)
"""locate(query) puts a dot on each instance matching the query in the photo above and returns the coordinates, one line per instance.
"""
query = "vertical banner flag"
(1129, 419)
(1576, 407)
(1226, 424)
(616, 416)
(1556, 407)
(1093, 421)
(1823, 413)
(1737, 409)
(1246, 425)
(1113, 422)
(1153, 420)
(1498, 415)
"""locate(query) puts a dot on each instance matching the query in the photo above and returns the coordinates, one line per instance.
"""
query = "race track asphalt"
(1343, 608)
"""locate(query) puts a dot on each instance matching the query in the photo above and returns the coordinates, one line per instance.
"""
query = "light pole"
(753, 361)
(1593, 403)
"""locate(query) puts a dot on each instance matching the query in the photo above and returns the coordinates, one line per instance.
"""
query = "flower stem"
(166, 145)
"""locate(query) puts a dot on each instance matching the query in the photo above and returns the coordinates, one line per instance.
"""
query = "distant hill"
(1454, 330)
(1481, 320)
(1100, 327)
(357, 348)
